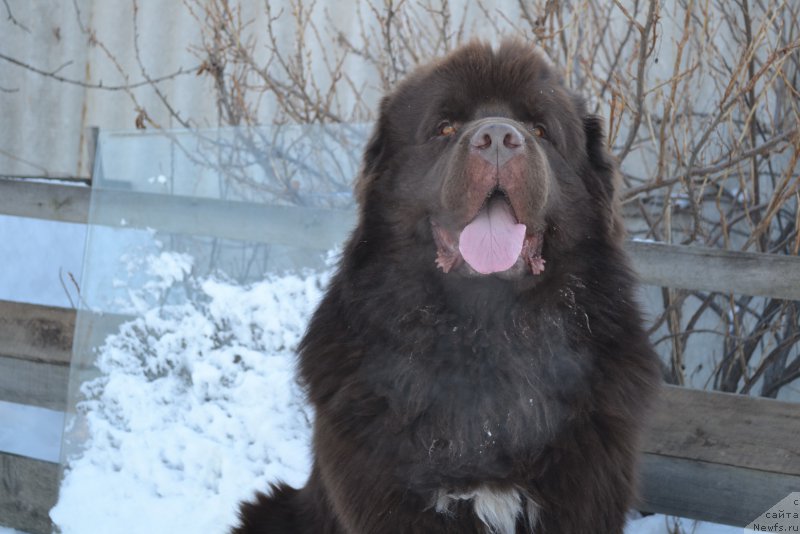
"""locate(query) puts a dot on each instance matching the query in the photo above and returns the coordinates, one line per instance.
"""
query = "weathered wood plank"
(698, 268)
(55, 202)
(719, 457)
(37, 333)
(47, 333)
(659, 264)
(726, 429)
(248, 221)
(34, 383)
(710, 491)
(28, 490)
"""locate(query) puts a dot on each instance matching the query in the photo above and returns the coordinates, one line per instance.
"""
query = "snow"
(197, 407)
(161, 179)
(197, 403)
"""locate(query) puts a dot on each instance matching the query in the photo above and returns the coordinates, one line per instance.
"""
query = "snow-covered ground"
(197, 407)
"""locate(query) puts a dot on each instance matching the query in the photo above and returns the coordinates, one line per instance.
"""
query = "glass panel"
(191, 306)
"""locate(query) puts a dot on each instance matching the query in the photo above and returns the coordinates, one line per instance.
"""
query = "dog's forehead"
(476, 78)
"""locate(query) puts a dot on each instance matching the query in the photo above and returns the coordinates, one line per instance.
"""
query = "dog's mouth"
(493, 242)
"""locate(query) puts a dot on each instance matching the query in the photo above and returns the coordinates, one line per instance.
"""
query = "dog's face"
(488, 161)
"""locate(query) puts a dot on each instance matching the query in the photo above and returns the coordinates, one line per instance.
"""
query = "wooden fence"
(710, 456)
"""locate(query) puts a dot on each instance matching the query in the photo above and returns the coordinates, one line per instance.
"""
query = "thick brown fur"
(426, 382)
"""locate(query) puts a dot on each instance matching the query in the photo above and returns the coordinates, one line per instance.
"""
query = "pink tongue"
(492, 242)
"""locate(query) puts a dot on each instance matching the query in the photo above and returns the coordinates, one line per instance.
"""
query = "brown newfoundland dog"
(478, 364)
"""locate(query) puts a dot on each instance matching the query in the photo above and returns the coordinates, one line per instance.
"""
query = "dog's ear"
(606, 178)
(374, 155)
(599, 157)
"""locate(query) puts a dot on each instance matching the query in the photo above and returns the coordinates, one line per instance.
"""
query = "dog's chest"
(473, 405)
(490, 383)
(500, 510)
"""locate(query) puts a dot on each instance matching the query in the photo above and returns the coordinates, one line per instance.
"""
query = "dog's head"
(485, 163)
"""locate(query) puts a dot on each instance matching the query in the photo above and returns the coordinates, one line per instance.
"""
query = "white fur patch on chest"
(498, 509)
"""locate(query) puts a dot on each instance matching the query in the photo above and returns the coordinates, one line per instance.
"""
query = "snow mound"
(196, 407)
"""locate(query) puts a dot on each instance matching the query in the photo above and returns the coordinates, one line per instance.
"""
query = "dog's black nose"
(497, 142)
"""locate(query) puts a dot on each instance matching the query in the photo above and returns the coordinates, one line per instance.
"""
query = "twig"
(12, 19)
(121, 87)
(645, 49)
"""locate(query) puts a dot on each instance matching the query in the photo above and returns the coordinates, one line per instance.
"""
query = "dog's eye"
(446, 128)
(538, 130)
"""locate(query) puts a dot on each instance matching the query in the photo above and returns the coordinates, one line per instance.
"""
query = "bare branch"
(10, 17)
(123, 87)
